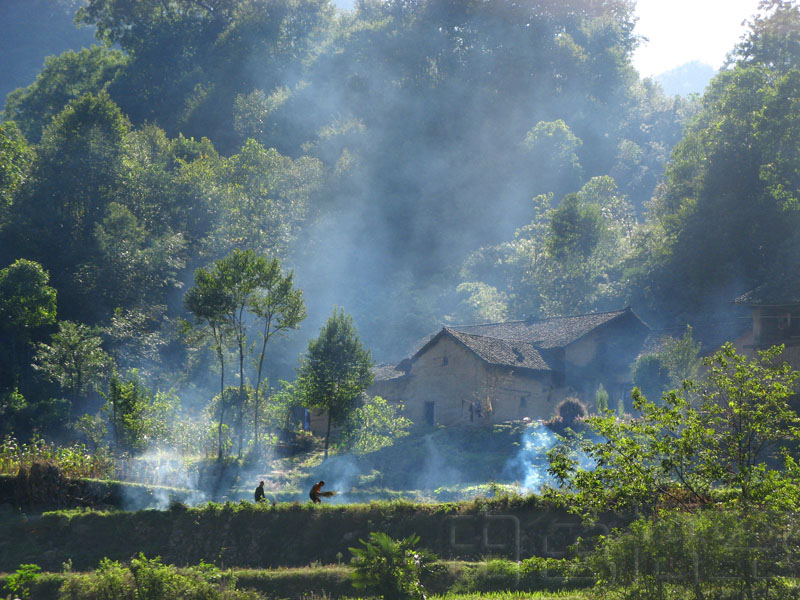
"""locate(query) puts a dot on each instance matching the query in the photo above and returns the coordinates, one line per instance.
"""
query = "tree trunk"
(328, 434)
(256, 406)
(258, 384)
(240, 418)
(221, 400)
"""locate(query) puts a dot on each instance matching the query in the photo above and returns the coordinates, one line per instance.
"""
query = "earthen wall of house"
(581, 353)
(602, 357)
(766, 332)
(391, 390)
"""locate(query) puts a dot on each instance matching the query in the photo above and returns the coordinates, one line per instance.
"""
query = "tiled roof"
(547, 333)
(502, 352)
(386, 372)
(783, 292)
(524, 344)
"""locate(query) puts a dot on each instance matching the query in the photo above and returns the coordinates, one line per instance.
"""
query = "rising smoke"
(170, 479)
(435, 472)
(529, 466)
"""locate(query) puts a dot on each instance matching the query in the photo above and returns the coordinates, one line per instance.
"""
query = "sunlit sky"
(681, 31)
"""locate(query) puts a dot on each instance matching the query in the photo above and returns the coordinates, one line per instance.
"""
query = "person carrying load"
(315, 494)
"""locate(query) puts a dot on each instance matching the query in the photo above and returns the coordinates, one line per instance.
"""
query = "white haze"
(682, 31)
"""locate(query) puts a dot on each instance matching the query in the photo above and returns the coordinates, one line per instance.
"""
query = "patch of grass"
(567, 595)
(333, 580)
(325, 582)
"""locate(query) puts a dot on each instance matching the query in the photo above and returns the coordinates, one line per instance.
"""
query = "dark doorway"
(429, 413)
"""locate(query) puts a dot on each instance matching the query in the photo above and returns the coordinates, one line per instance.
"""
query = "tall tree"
(267, 196)
(76, 175)
(27, 303)
(567, 260)
(335, 370)
(239, 276)
(210, 304)
(62, 80)
(727, 217)
(224, 295)
(133, 267)
(774, 36)
(15, 161)
(279, 306)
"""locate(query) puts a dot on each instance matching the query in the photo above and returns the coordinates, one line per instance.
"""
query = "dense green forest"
(190, 190)
(415, 162)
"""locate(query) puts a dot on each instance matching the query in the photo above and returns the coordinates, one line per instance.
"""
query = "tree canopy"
(419, 162)
(335, 370)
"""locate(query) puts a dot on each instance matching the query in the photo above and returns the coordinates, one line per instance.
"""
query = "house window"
(523, 402)
(444, 361)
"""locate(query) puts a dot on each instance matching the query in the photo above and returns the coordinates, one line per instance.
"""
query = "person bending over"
(315, 494)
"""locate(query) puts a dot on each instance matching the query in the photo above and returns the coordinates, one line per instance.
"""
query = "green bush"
(601, 399)
(540, 573)
(150, 579)
(532, 574)
(390, 568)
(19, 582)
(495, 575)
(709, 554)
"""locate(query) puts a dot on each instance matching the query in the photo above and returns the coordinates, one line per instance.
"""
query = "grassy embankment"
(456, 581)
(289, 534)
(294, 533)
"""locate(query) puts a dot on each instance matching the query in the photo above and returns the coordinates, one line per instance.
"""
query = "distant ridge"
(689, 78)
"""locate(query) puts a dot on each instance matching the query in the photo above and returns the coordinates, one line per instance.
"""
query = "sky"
(681, 31)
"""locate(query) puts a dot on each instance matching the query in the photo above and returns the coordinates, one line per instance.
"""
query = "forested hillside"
(415, 162)
(32, 31)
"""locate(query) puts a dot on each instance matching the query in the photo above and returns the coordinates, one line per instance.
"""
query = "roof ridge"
(494, 338)
(488, 337)
(529, 321)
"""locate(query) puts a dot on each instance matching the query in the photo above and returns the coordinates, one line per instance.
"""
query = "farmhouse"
(500, 371)
(775, 309)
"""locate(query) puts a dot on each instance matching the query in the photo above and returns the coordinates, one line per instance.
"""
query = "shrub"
(532, 574)
(710, 554)
(732, 430)
(374, 425)
(19, 582)
(601, 399)
(570, 410)
(569, 415)
(150, 579)
(495, 575)
(390, 568)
